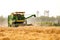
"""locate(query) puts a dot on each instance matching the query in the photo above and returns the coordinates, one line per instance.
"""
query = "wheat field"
(30, 33)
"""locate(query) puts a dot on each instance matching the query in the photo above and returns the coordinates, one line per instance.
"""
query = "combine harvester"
(18, 19)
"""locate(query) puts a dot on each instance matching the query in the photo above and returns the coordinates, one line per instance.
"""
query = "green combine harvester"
(17, 19)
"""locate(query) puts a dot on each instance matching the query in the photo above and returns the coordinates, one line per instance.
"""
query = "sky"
(30, 7)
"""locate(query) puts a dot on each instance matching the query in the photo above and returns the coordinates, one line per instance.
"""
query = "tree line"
(3, 20)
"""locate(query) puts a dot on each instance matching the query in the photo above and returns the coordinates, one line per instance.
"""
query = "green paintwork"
(14, 18)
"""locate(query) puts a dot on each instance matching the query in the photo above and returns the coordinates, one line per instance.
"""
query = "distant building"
(46, 13)
(37, 13)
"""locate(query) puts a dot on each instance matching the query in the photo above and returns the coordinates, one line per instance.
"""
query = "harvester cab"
(17, 18)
